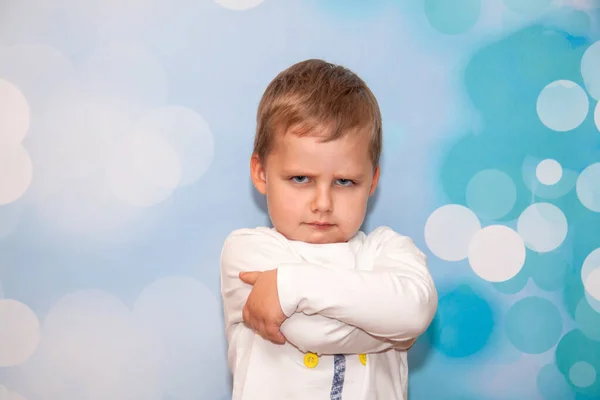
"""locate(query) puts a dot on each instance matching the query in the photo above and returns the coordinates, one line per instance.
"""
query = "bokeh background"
(125, 134)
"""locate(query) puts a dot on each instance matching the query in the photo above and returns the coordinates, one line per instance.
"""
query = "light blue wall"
(125, 134)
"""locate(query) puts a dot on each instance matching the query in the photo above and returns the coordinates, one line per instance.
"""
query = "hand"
(262, 311)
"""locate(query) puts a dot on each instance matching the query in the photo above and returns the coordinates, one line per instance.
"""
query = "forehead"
(348, 154)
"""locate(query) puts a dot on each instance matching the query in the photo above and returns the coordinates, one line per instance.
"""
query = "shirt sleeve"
(261, 250)
(322, 335)
(396, 300)
(245, 250)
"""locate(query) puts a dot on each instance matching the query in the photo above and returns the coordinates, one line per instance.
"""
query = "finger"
(261, 329)
(249, 277)
(250, 321)
(274, 334)
(280, 339)
(255, 326)
(265, 330)
(253, 322)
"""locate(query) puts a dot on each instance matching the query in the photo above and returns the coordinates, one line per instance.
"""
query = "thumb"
(249, 277)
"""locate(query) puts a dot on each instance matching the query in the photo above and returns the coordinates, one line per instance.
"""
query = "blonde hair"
(313, 94)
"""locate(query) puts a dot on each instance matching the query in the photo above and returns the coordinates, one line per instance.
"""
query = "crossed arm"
(324, 310)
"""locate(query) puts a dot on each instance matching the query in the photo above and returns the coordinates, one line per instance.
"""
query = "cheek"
(284, 199)
(354, 205)
(357, 198)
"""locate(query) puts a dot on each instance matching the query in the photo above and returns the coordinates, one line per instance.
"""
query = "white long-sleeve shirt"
(370, 296)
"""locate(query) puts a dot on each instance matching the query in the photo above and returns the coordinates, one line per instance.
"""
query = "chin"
(320, 241)
(313, 237)
(325, 239)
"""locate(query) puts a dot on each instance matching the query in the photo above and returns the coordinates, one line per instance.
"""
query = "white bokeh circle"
(562, 105)
(16, 172)
(188, 133)
(590, 69)
(543, 227)
(92, 341)
(69, 191)
(597, 115)
(10, 217)
(124, 72)
(239, 5)
(582, 374)
(182, 316)
(20, 333)
(590, 274)
(89, 345)
(548, 171)
(6, 394)
(87, 208)
(584, 5)
(39, 71)
(529, 171)
(491, 193)
(588, 187)
(449, 230)
(144, 169)
(81, 131)
(496, 253)
(14, 114)
(592, 283)
(88, 320)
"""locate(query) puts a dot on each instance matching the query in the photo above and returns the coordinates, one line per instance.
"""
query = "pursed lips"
(320, 225)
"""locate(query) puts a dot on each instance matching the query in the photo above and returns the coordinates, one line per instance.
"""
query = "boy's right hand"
(262, 311)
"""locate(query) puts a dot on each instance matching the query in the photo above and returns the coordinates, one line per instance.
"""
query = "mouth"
(320, 225)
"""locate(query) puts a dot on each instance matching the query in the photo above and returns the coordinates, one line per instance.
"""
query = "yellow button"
(311, 360)
(363, 358)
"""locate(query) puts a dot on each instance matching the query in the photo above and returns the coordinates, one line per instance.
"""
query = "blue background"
(125, 134)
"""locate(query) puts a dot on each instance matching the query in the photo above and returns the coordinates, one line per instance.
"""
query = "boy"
(315, 308)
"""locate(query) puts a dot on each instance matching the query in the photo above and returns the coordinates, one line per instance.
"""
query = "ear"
(258, 174)
(375, 181)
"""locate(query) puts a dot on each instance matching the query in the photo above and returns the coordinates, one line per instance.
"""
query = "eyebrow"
(297, 172)
(346, 175)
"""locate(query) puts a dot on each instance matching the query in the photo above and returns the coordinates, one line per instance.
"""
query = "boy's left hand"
(262, 310)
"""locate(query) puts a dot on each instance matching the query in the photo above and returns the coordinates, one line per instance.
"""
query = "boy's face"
(317, 192)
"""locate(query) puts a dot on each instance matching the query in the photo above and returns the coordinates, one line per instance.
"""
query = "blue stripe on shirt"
(339, 369)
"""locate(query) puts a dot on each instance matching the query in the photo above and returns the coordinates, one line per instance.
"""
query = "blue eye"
(345, 182)
(300, 179)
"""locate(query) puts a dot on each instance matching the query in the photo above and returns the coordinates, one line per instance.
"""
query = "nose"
(323, 201)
